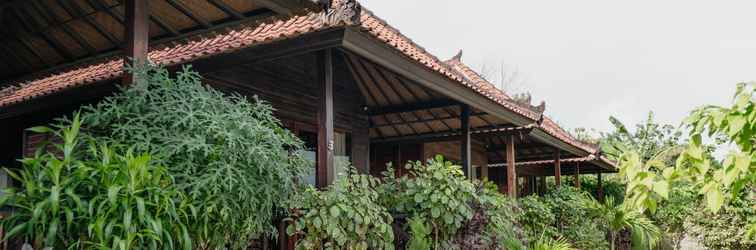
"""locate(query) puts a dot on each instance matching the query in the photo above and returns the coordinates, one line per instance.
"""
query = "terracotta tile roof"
(268, 31)
(547, 124)
(548, 162)
(195, 48)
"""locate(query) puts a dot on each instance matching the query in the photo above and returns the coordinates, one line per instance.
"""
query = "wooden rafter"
(75, 11)
(26, 46)
(185, 10)
(426, 92)
(27, 28)
(282, 7)
(382, 92)
(362, 88)
(51, 17)
(411, 107)
(227, 9)
(97, 5)
(361, 80)
(391, 86)
(416, 97)
(453, 134)
(426, 120)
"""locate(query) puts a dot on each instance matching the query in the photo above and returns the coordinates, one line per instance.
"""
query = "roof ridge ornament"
(457, 57)
(342, 11)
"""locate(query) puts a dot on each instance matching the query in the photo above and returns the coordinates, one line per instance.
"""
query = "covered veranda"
(348, 83)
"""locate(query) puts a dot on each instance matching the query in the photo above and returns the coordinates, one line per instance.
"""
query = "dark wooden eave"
(42, 36)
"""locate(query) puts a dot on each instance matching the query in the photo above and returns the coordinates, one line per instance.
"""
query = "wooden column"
(557, 169)
(511, 173)
(464, 119)
(484, 172)
(599, 187)
(324, 169)
(137, 34)
(542, 189)
(577, 175)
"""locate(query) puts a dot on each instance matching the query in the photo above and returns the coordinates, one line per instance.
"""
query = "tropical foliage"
(437, 191)
(86, 194)
(227, 152)
(346, 216)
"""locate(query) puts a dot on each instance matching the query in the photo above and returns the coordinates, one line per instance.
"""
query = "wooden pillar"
(577, 175)
(542, 189)
(599, 188)
(324, 170)
(137, 34)
(465, 140)
(511, 173)
(557, 169)
(484, 172)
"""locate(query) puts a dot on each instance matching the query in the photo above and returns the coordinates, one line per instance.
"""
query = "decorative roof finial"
(342, 11)
(458, 57)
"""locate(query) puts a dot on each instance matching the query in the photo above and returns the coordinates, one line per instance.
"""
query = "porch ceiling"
(42, 35)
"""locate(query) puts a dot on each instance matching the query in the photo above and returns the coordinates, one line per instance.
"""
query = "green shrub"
(87, 195)
(420, 233)
(610, 184)
(436, 191)
(573, 219)
(727, 228)
(537, 217)
(503, 228)
(671, 215)
(228, 153)
(346, 216)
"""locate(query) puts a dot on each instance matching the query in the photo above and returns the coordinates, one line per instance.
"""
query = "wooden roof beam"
(412, 107)
(77, 12)
(185, 10)
(424, 120)
(27, 28)
(454, 134)
(227, 9)
(282, 7)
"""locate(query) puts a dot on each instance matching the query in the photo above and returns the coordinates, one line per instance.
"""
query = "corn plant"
(94, 196)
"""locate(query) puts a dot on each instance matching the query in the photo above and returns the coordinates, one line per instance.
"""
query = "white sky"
(593, 59)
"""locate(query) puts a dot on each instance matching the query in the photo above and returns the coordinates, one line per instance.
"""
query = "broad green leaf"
(714, 199)
(662, 189)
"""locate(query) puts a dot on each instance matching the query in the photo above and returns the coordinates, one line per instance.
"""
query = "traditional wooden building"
(349, 84)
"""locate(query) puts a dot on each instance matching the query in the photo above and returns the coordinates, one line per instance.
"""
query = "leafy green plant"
(645, 187)
(727, 228)
(620, 217)
(573, 220)
(420, 234)
(735, 125)
(548, 243)
(227, 152)
(437, 191)
(537, 217)
(84, 194)
(345, 216)
(648, 139)
(502, 228)
(672, 214)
